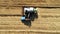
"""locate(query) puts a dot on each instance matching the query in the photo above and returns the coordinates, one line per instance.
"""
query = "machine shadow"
(27, 22)
(32, 18)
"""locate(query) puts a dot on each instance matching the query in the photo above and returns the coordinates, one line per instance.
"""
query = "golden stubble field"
(48, 21)
(36, 3)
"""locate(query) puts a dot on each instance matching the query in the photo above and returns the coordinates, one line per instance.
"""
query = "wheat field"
(48, 21)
